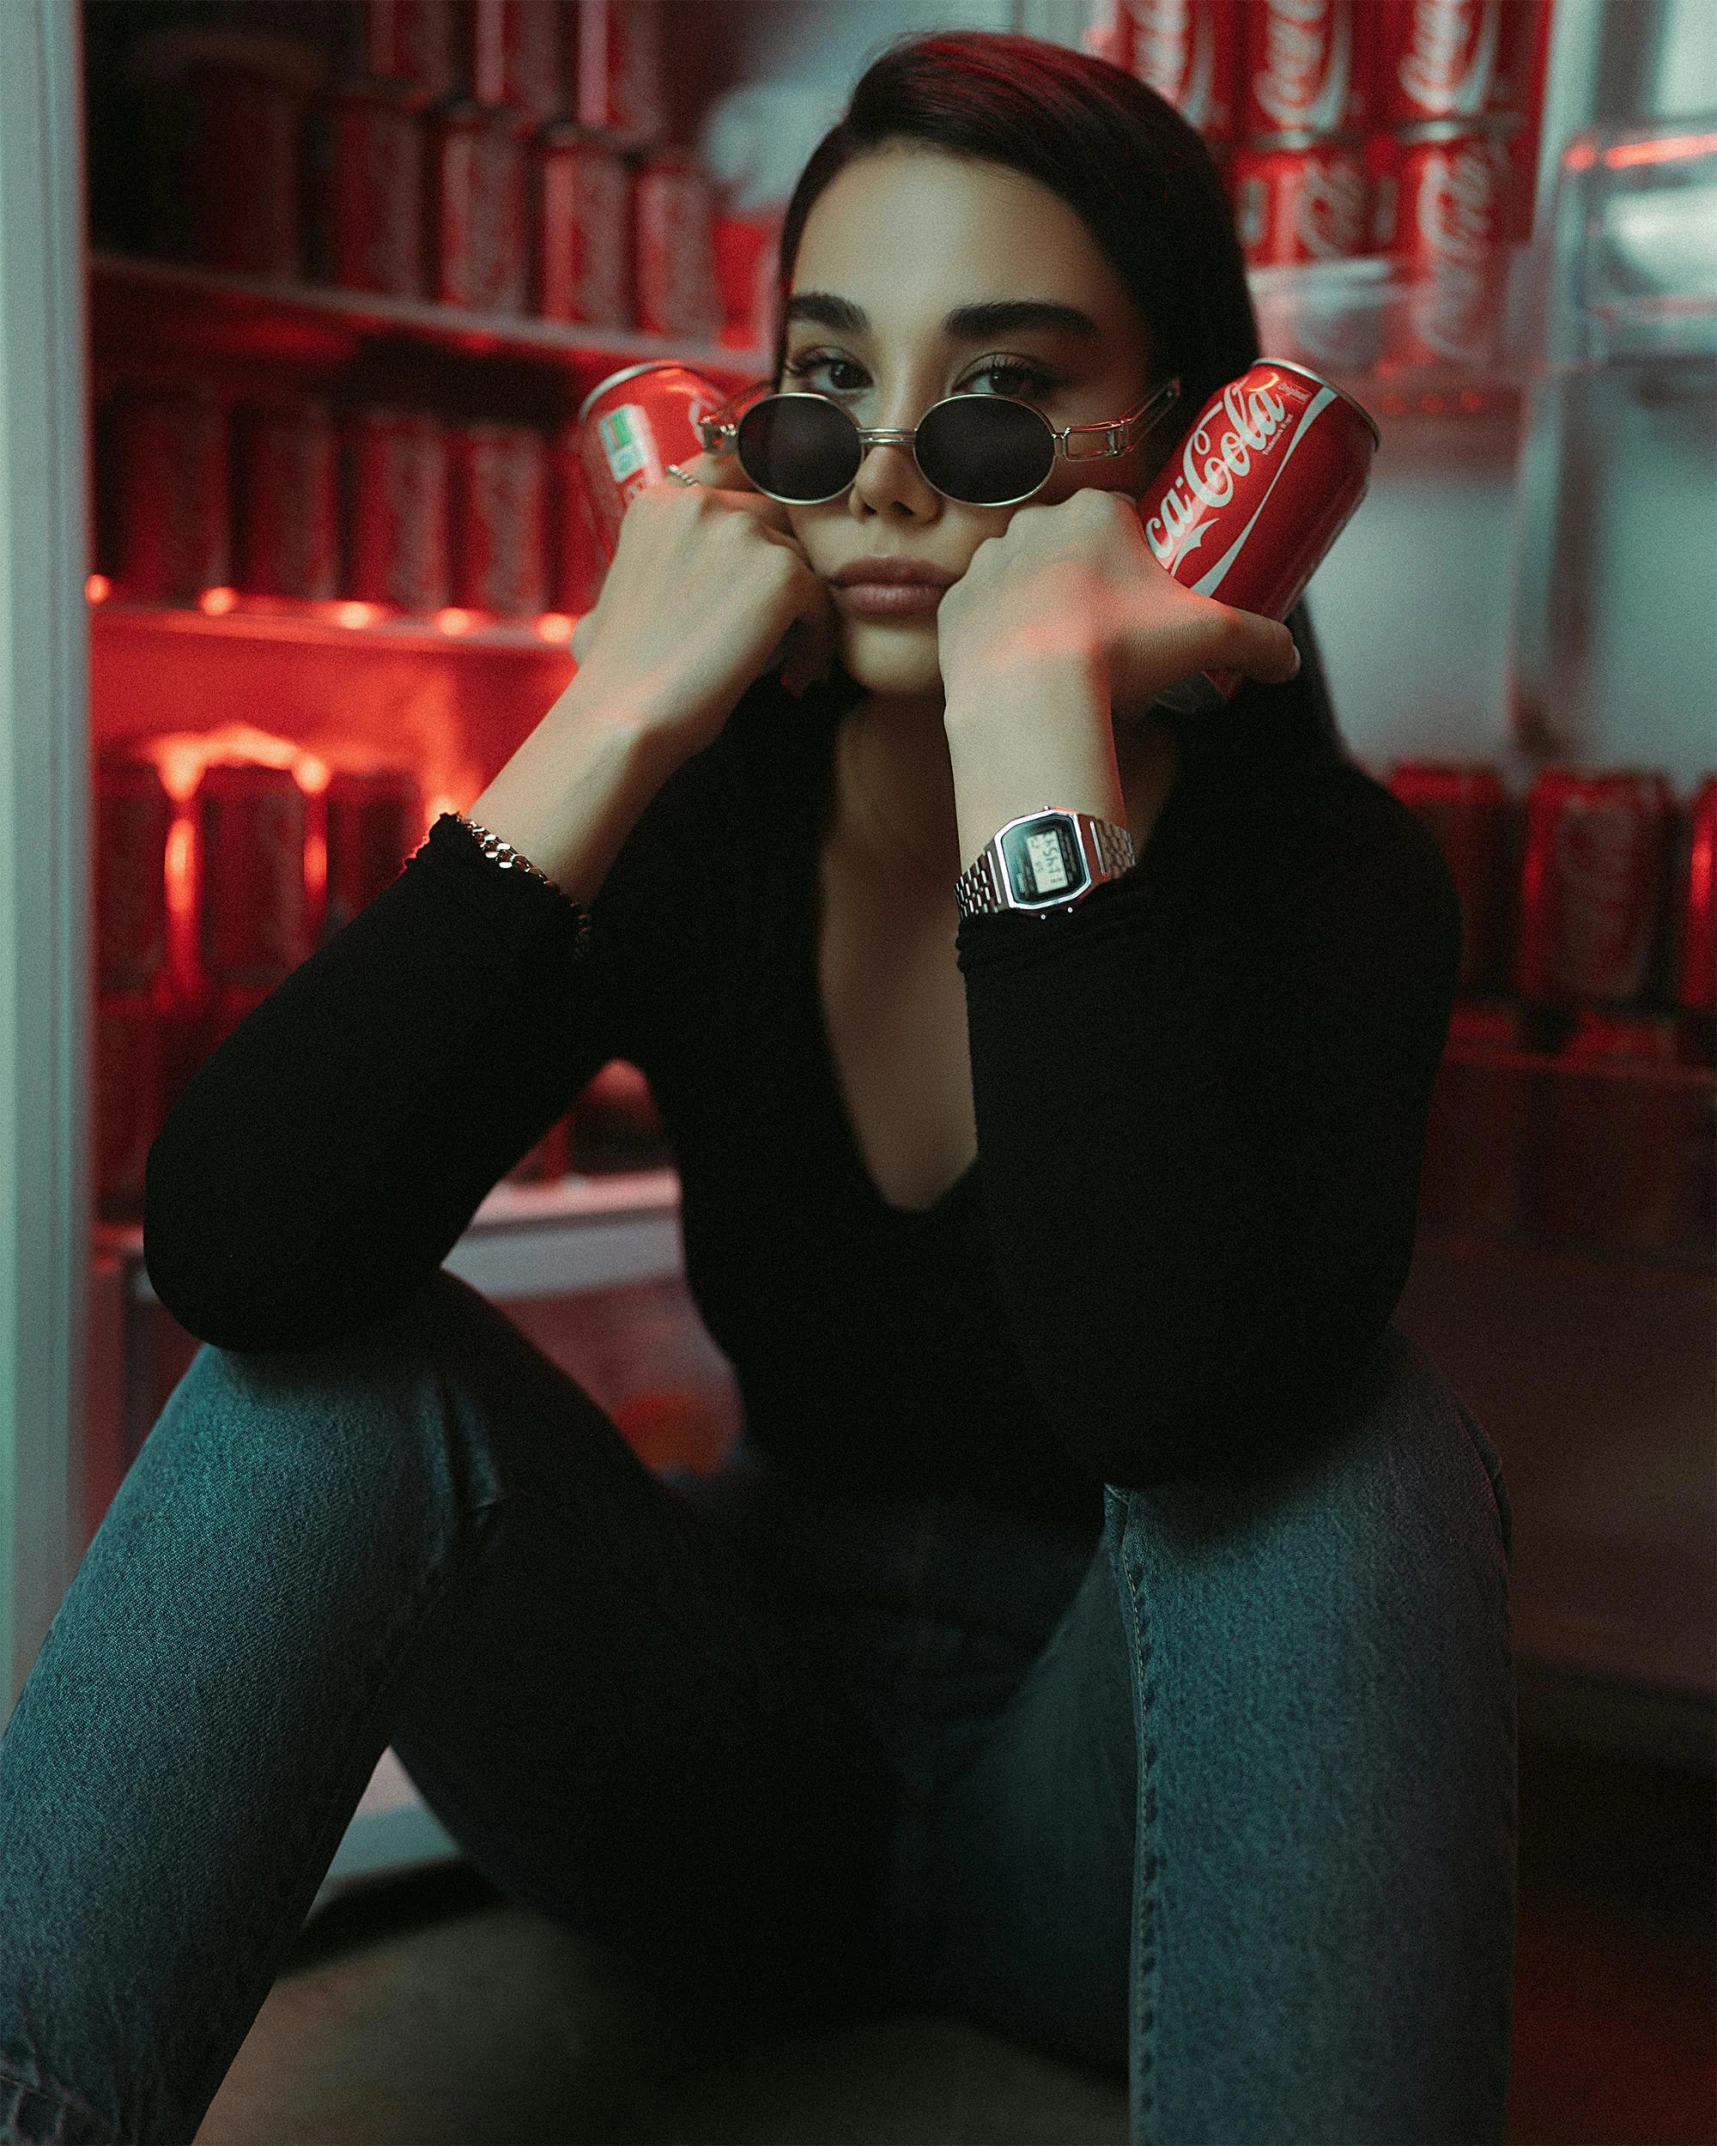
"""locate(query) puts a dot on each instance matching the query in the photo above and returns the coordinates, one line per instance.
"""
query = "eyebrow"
(966, 324)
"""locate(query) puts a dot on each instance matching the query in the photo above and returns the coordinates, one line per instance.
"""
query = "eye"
(1009, 376)
(841, 376)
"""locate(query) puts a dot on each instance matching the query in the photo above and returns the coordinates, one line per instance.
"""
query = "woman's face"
(900, 245)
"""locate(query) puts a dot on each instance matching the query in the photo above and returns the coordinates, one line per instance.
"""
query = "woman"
(1102, 1631)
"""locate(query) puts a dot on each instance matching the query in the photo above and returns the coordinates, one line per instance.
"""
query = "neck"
(900, 780)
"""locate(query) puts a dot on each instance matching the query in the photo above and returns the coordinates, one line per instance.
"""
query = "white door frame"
(44, 807)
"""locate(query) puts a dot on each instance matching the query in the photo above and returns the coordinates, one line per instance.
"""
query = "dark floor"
(428, 2010)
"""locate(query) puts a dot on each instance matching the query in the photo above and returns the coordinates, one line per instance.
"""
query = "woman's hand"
(1058, 626)
(1076, 584)
(707, 590)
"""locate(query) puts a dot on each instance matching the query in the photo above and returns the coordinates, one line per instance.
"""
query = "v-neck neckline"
(808, 905)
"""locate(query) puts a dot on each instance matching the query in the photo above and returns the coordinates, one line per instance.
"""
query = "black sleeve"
(323, 1161)
(1201, 1100)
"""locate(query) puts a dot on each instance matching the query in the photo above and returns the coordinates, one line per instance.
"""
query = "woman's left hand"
(1074, 586)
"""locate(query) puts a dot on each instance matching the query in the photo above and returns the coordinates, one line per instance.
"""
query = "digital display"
(1043, 860)
(1048, 866)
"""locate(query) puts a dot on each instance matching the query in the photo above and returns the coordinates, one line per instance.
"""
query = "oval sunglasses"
(981, 450)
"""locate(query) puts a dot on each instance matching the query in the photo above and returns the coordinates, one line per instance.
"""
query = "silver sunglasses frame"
(1110, 436)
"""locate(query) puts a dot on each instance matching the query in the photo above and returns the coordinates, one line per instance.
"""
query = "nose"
(890, 483)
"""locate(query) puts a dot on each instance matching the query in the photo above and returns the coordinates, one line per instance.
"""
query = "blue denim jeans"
(1223, 1800)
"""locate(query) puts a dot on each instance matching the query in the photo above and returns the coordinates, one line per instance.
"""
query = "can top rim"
(1287, 365)
(629, 372)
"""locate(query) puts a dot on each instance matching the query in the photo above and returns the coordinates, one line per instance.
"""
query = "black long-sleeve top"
(1200, 1099)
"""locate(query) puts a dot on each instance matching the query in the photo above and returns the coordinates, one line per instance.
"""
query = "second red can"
(1591, 886)
(1189, 52)
(631, 426)
(1299, 200)
(500, 485)
(1254, 495)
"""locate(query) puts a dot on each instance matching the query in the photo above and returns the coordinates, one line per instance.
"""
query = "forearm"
(1027, 735)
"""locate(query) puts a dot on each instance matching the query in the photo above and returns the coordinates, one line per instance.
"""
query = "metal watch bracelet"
(1107, 849)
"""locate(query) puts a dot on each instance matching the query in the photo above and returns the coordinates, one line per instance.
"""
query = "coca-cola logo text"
(1450, 55)
(1303, 79)
(1213, 456)
(1162, 45)
(1456, 211)
(1329, 211)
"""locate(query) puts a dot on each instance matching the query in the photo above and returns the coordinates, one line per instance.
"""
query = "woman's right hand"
(708, 588)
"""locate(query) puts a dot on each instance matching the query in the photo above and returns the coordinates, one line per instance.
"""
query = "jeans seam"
(395, 1640)
(1147, 1905)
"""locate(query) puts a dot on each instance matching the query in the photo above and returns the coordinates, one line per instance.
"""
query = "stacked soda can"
(1575, 1103)
(133, 818)
(1452, 88)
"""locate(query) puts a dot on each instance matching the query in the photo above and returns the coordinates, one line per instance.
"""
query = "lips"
(893, 572)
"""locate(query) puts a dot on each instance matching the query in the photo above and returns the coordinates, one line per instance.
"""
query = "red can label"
(1466, 809)
(413, 41)
(481, 259)
(1451, 193)
(288, 511)
(399, 525)
(254, 917)
(171, 453)
(374, 818)
(675, 262)
(1188, 51)
(631, 426)
(1697, 966)
(583, 231)
(1294, 204)
(375, 205)
(1591, 886)
(1307, 66)
(1445, 59)
(621, 86)
(500, 478)
(516, 55)
(134, 815)
(1257, 491)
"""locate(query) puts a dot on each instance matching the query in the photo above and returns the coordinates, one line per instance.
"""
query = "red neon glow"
(315, 867)
(1671, 150)
(454, 621)
(554, 627)
(97, 589)
(217, 602)
(356, 614)
(1579, 156)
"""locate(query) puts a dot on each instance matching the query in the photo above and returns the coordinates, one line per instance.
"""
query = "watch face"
(1044, 860)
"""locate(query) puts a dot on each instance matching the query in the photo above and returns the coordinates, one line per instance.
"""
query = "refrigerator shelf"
(173, 312)
(281, 621)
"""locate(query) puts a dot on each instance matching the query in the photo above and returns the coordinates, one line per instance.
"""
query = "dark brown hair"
(1139, 178)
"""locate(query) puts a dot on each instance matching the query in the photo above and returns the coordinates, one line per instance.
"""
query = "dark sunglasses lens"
(985, 450)
(798, 447)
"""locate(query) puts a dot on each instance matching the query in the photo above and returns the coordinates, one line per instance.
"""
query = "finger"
(809, 646)
(725, 474)
(1261, 647)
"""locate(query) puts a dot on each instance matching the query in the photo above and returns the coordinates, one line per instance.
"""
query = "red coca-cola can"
(516, 55)
(622, 88)
(477, 191)
(374, 822)
(288, 508)
(1306, 67)
(415, 42)
(171, 469)
(548, 1161)
(1254, 495)
(582, 190)
(674, 289)
(500, 518)
(1447, 59)
(246, 117)
(631, 426)
(375, 189)
(1450, 187)
(1696, 930)
(1188, 51)
(576, 558)
(129, 1096)
(1301, 199)
(747, 249)
(1467, 810)
(255, 920)
(1591, 885)
(133, 815)
(400, 546)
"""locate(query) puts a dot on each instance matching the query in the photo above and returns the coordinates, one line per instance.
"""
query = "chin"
(891, 659)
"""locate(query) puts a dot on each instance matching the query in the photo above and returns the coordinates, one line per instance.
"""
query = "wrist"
(1038, 736)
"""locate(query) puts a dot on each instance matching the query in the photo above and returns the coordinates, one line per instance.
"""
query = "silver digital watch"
(1044, 863)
